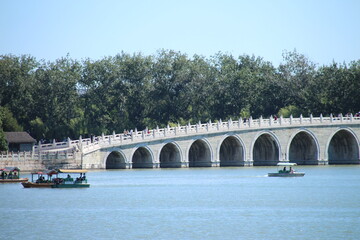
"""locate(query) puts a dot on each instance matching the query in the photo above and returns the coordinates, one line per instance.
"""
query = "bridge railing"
(96, 142)
(43, 155)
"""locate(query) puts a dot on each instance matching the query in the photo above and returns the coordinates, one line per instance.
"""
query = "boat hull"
(37, 185)
(14, 180)
(295, 174)
(75, 185)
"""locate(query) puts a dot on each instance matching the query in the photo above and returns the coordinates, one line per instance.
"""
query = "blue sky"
(324, 31)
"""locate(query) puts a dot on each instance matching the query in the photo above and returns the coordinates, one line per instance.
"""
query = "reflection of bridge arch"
(231, 151)
(265, 149)
(200, 154)
(303, 148)
(170, 155)
(115, 160)
(343, 147)
(142, 158)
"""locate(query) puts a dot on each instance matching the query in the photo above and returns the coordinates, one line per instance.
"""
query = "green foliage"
(289, 110)
(68, 98)
(37, 128)
(9, 122)
(3, 143)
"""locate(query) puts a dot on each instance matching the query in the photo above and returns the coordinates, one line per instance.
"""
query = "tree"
(9, 123)
(3, 143)
(296, 75)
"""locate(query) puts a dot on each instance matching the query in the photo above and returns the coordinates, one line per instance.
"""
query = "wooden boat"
(286, 170)
(41, 182)
(58, 181)
(69, 182)
(11, 175)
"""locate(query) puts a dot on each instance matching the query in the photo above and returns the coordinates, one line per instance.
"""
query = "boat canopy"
(286, 164)
(72, 171)
(10, 169)
(49, 172)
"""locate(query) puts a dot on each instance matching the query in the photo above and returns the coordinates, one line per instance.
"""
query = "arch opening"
(142, 158)
(231, 152)
(115, 160)
(170, 156)
(343, 149)
(199, 154)
(303, 149)
(265, 151)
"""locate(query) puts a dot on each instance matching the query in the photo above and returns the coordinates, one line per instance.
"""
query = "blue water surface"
(192, 203)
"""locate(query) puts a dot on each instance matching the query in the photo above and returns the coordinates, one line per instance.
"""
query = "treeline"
(69, 98)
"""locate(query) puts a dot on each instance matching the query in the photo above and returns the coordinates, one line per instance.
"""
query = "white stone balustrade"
(88, 144)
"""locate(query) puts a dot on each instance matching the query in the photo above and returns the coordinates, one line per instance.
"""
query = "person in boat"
(3, 175)
(291, 170)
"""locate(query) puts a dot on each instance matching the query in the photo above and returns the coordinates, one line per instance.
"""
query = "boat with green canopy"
(11, 175)
(54, 179)
(286, 170)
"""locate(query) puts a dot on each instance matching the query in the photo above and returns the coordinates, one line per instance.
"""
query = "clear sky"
(323, 30)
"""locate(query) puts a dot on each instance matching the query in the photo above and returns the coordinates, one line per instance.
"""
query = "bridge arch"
(142, 157)
(115, 160)
(200, 153)
(343, 147)
(303, 148)
(265, 149)
(170, 155)
(231, 151)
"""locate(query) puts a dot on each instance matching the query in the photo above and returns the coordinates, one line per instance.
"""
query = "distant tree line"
(69, 98)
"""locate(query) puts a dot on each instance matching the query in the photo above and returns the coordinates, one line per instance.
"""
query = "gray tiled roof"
(19, 137)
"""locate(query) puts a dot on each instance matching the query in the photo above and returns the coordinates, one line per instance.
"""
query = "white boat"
(286, 170)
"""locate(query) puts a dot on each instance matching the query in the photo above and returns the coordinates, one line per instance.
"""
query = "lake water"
(193, 203)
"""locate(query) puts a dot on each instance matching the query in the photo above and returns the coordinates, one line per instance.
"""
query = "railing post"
(301, 118)
(271, 119)
(281, 120)
(331, 117)
(239, 122)
(260, 121)
(321, 117)
(341, 117)
(218, 126)
(250, 121)
(291, 119)
(351, 117)
(311, 118)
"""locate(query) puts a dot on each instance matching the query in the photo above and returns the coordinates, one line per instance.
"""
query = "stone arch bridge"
(251, 142)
